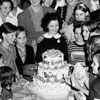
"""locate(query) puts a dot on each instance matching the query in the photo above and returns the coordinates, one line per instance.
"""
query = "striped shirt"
(76, 53)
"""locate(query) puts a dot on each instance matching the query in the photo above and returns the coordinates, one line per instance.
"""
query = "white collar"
(18, 11)
(57, 36)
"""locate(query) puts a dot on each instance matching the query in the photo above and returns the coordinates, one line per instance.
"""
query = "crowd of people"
(28, 28)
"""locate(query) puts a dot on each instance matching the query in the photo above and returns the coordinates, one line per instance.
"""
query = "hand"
(40, 39)
(72, 92)
(80, 96)
(34, 45)
(75, 83)
(64, 24)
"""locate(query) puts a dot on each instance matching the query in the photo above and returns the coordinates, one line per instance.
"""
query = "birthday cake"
(49, 83)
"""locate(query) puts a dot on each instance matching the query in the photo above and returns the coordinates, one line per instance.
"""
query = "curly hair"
(48, 18)
(10, 1)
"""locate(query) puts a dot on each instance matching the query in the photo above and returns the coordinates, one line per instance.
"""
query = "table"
(21, 92)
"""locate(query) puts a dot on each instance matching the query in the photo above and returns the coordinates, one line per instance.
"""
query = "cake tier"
(53, 74)
(50, 91)
(53, 58)
(54, 67)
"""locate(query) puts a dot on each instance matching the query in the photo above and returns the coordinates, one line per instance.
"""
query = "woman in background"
(14, 13)
(5, 8)
(62, 11)
(30, 19)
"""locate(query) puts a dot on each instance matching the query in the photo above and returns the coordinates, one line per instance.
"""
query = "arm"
(21, 20)
(38, 57)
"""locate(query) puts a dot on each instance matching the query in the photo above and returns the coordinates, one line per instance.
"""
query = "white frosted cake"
(48, 85)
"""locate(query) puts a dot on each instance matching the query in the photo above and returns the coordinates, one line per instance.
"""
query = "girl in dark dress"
(52, 39)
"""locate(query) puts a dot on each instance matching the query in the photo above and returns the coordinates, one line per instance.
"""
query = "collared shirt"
(11, 18)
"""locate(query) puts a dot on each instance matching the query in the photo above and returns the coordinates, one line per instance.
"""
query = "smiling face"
(16, 3)
(5, 8)
(21, 39)
(95, 65)
(78, 35)
(80, 15)
(85, 33)
(53, 27)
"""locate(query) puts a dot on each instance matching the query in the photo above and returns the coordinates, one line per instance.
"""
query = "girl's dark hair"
(81, 6)
(91, 25)
(20, 29)
(6, 76)
(79, 25)
(92, 45)
(48, 18)
(2, 1)
(7, 28)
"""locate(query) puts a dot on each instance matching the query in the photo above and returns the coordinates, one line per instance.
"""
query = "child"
(24, 53)
(76, 48)
(89, 27)
(8, 36)
(6, 77)
(94, 89)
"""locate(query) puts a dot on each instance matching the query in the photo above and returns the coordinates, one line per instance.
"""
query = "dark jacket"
(29, 58)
